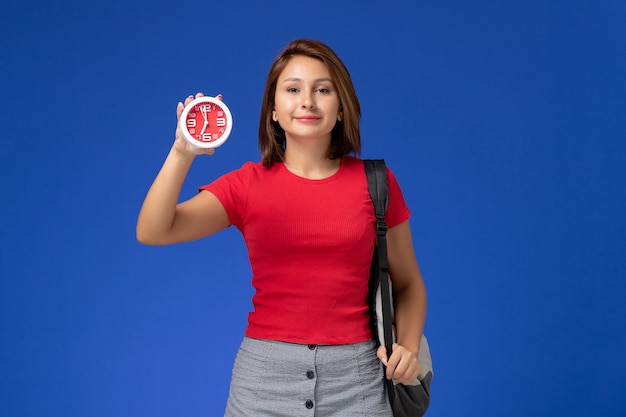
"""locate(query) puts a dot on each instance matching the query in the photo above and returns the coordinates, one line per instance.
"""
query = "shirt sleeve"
(397, 210)
(231, 190)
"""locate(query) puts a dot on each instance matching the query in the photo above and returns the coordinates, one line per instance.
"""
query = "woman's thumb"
(382, 354)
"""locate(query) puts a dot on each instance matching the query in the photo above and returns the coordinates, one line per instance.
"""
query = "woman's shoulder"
(354, 161)
(251, 171)
(251, 168)
(351, 162)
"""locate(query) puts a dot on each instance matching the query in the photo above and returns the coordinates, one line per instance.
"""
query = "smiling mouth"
(307, 119)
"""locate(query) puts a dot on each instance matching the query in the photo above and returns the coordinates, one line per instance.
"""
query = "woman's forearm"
(410, 314)
(158, 211)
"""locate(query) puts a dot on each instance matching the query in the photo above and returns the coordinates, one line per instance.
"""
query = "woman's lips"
(307, 119)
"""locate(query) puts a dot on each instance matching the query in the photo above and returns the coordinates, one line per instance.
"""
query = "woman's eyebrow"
(292, 79)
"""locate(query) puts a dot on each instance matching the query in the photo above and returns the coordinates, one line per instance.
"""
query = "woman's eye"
(292, 90)
(323, 90)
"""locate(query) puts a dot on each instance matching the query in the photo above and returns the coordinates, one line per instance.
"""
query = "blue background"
(503, 121)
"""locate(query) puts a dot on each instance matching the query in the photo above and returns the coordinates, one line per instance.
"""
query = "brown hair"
(345, 136)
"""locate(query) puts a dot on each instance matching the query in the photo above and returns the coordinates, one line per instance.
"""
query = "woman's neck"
(310, 163)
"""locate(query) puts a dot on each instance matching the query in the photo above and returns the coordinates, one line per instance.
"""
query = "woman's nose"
(307, 100)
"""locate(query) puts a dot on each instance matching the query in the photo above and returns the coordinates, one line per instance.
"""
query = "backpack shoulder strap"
(376, 172)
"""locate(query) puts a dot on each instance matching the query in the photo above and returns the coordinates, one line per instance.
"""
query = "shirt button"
(310, 374)
(312, 347)
(309, 404)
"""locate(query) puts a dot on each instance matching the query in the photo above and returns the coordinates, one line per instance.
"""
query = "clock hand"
(203, 110)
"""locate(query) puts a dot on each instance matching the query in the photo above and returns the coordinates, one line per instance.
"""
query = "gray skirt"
(285, 379)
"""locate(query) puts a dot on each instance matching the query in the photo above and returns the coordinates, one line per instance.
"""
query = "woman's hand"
(180, 144)
(403, 365)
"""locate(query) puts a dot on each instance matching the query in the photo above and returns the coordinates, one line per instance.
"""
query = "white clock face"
(206, 122)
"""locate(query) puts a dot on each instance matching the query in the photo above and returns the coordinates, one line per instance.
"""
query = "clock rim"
(189, 138)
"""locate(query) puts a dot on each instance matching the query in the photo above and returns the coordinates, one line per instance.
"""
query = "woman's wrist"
(180, 156)
(412, 347)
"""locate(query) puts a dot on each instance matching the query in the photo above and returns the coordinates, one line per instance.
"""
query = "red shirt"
(310, 246)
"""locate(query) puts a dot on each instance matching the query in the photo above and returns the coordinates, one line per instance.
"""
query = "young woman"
(308, 223)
